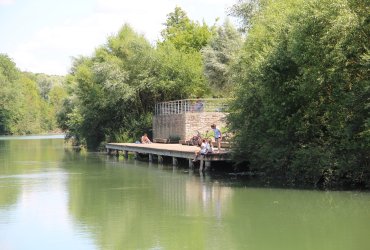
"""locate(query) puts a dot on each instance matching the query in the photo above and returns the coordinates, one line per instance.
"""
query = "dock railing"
(191, 105)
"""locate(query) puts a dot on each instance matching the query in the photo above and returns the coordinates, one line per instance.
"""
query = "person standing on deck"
(218, 136)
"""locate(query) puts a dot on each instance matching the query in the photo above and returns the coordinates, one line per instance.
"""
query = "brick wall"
(185, 125)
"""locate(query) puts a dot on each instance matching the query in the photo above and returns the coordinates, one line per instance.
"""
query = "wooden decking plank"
(173, 150)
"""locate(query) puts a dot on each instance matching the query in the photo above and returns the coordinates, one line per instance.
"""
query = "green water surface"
(52, 197)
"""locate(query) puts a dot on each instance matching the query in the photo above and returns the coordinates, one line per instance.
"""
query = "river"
(52, 197)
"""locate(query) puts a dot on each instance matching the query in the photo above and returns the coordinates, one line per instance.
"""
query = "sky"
(42, 36)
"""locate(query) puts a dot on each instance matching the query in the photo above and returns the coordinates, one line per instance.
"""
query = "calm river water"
(54, 198)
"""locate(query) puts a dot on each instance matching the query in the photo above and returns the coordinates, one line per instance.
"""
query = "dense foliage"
(302, 107)
(112, 93)
(185, 34)
(218, 57)
(298, 74)
(28, 102)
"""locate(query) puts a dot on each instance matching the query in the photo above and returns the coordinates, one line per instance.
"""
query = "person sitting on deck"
(203, 150)
(145, 139)
(209, 146)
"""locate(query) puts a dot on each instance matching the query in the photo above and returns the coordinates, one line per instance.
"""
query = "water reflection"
(18, 158)
(52, 198)
(206, 197)
(129, 204)
(33, 201)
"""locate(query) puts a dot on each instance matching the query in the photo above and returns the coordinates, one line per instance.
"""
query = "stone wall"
(165, 126)
(185, 125)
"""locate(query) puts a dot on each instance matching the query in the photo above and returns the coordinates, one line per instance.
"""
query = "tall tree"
(218, 57)
(180, 61)
(302, 107)
(9, 95)
(23, 110)
(245, 10)
(179, 75)
(113, 92)
(186, 35)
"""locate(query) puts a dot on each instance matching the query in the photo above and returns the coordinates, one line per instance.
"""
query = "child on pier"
(218, 136)
(145, 139)
(209, 146)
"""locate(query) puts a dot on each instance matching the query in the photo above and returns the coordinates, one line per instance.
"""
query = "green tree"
(112, 94)
(23, 110)
(219, 56)
(302, 104)
(186, 35)
(9, 95)
(245, 10)
(179, 75)
(31, 110)
(179, 58)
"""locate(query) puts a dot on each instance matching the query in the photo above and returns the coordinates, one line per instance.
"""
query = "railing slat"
(188, 105)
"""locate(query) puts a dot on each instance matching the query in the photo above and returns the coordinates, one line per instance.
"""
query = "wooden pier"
(168, 150)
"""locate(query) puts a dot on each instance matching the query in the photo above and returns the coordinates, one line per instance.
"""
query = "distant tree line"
(28, 101)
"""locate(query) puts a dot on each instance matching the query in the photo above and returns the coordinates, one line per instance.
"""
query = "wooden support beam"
(201, 164)
(150, 157)
(191, 163)
(160, 159)
(117, 153)
(207, 165)
(174, 161)
(126, 154)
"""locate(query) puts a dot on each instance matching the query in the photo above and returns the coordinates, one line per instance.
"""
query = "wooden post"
(117, 153)
(201, 163)
(191, 163)
(109, 152)
(126, 154)
(160, 159)
(207, 165)
(174, 161)
(150, 157)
